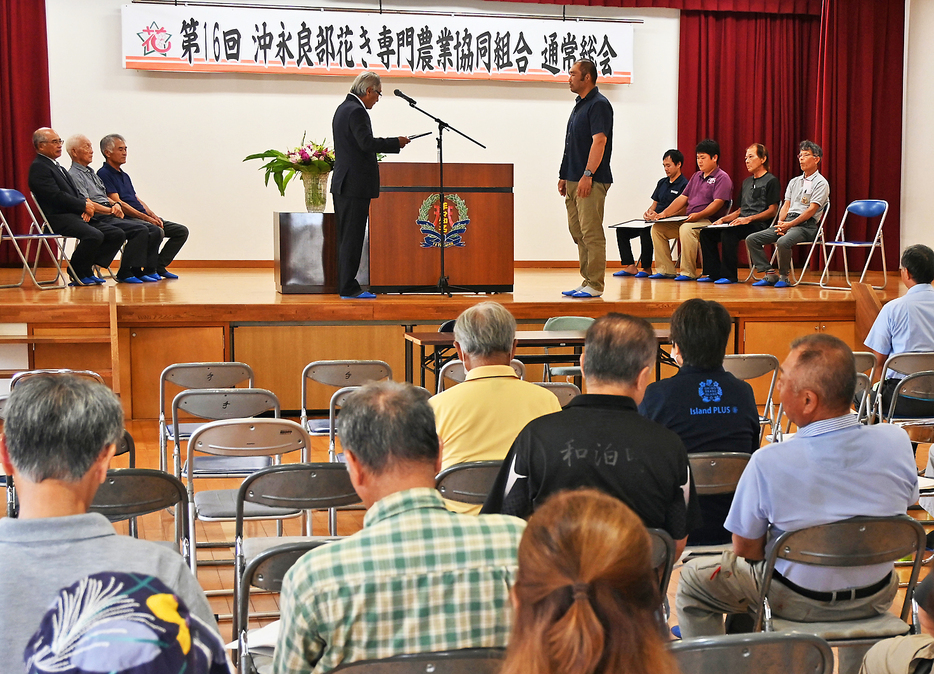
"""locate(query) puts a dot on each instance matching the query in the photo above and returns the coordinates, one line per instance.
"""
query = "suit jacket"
(356, 171)
(54, 191)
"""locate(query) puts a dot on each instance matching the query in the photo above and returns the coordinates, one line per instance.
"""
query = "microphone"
(410, 101)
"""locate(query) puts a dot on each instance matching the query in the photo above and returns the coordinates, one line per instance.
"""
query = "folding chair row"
(40, 234)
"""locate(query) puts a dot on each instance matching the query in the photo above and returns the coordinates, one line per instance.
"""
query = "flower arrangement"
(308, 158)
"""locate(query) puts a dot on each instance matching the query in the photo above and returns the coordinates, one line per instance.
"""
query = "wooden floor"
(206, 295)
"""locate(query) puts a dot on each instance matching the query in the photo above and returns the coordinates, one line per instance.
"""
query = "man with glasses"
(70, 214)
(806, 197)
(356, 176)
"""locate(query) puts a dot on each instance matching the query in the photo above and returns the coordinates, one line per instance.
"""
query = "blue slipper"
(661, 276)
(149, 278)
(705, 279)
(165, 273)
(724, 281)
(781, 283)
(128, 279)
(641, 274)
(763, 282)
(362, 296)
(585, 293)
(623, 272)
(684, 277)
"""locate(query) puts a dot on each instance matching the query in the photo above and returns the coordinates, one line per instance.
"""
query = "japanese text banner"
(313, 42)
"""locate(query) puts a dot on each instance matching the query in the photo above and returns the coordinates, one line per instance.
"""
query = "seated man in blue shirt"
(120, 189)
(709, 408)
(667, 190)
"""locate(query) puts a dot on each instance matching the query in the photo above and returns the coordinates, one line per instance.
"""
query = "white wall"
(187, 134)
(918, 135)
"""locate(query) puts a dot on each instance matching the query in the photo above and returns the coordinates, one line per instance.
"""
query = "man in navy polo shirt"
(585, 177)
(120, 189)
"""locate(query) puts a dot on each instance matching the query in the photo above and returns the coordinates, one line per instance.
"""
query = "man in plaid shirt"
(418, 578)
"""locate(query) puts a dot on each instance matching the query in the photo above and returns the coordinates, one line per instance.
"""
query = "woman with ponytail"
(586, 595)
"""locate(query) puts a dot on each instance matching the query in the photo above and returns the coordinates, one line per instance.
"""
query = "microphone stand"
(443, 286)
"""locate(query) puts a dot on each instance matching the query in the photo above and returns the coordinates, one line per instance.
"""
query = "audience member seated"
(667, 190)
(912, 654)
(906, 325)
(833, 469)
(123, 623)
(59, 435)
(418, 577)
(600, 440)
(705, 197)
(586, 595)
(479, 419)
(143, 239)
(806, 197)
(709, 408)
(120, 189)
(68, 213)
(759, 199)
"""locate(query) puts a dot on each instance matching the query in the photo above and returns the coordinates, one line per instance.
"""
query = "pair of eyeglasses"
(56, 141)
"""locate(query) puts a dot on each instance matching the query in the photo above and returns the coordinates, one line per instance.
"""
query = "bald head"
(617, 348)
(824, 364)
(47, 142)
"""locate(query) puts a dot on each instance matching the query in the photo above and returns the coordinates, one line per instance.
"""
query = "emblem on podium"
(448, 222)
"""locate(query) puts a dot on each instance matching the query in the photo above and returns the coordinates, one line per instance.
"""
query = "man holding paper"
(706, 197)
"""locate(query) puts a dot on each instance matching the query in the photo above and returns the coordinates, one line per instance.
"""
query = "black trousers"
(352, 214)
(175, 237)
(624, 235)
(137, 238)
(98, 243)
(730, 239)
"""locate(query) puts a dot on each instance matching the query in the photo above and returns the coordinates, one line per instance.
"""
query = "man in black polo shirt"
(584, 176)
(599, 440)
(709, 408)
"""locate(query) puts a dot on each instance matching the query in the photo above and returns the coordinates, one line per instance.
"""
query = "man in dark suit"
(68, 213)
(356, 176)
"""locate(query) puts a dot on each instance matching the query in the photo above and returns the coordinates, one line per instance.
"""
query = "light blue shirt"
(831, 470)
(905, 325)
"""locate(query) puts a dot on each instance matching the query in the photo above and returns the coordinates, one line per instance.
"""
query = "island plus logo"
(155, 40)
(710, 391)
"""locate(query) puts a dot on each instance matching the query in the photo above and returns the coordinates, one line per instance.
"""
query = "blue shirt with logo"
(711, 411)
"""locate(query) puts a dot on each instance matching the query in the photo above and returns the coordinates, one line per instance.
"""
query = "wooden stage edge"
(248, 295)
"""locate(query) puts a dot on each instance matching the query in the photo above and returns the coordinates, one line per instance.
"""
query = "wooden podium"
(405, 228)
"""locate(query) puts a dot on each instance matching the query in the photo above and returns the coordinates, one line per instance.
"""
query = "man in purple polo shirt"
(120, 189)
(707, 195)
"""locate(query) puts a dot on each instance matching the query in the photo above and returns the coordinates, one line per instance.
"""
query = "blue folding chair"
(863, 208)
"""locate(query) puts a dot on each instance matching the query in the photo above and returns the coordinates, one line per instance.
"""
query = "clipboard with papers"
(639, 223)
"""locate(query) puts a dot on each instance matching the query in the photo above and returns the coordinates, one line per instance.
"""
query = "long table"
(441, 344)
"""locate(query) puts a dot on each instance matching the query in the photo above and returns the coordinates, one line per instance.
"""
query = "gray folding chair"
(748, 366)
(194, 376)
(465, 661)
(760, 653)
(339, 374)
(299, 486)
(859, 541)
(266, 572)
(714, 473)
(40, 234)
(820, 239)
(128, 493)
(468, 482)
(455, 371)
(564, 323)
(868, 209)
(565, 391)
(663, 558)
(237, 438)
(903, 364)
(865, 362)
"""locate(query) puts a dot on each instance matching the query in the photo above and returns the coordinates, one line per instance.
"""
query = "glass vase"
(316, 191)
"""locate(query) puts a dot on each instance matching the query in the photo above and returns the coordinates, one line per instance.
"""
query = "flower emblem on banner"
(710, 391)
(155, 39)
(435, 222)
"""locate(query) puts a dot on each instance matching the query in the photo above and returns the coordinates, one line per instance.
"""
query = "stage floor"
(249, 295)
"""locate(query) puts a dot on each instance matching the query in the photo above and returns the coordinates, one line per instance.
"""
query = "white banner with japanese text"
(312, 42)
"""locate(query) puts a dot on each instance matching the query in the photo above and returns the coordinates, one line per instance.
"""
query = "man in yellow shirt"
(479, 419)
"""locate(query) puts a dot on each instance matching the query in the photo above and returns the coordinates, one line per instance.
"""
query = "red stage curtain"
(24, 96)
(740, 83)
(812, 7)
(859, 112)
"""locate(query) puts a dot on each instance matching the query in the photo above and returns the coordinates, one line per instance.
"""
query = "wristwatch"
(588, 173)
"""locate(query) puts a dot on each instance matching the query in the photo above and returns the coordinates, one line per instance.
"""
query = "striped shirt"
(416, 579)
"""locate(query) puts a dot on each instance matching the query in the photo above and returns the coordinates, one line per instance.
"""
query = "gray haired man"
(479, 419)
(57, 441)
(356, 176)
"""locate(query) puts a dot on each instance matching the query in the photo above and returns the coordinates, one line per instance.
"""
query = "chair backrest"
(84, 374)
(858, 541)
(760, 653)
(868, 208)
(204, 376)
(341, 373)
(466, 661)
(717, 472)
(568, 323)
(863, 386)
(224, 403)
(748, 366)
(455, 371)
(249, 437)
(302, 486)
(468, 482)
(663, 557)
(565, 391)
(126, 445)
(908, 363)
(10, 198)
(131, 492)
(919, 385)
(447, 326)
(865, 362)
